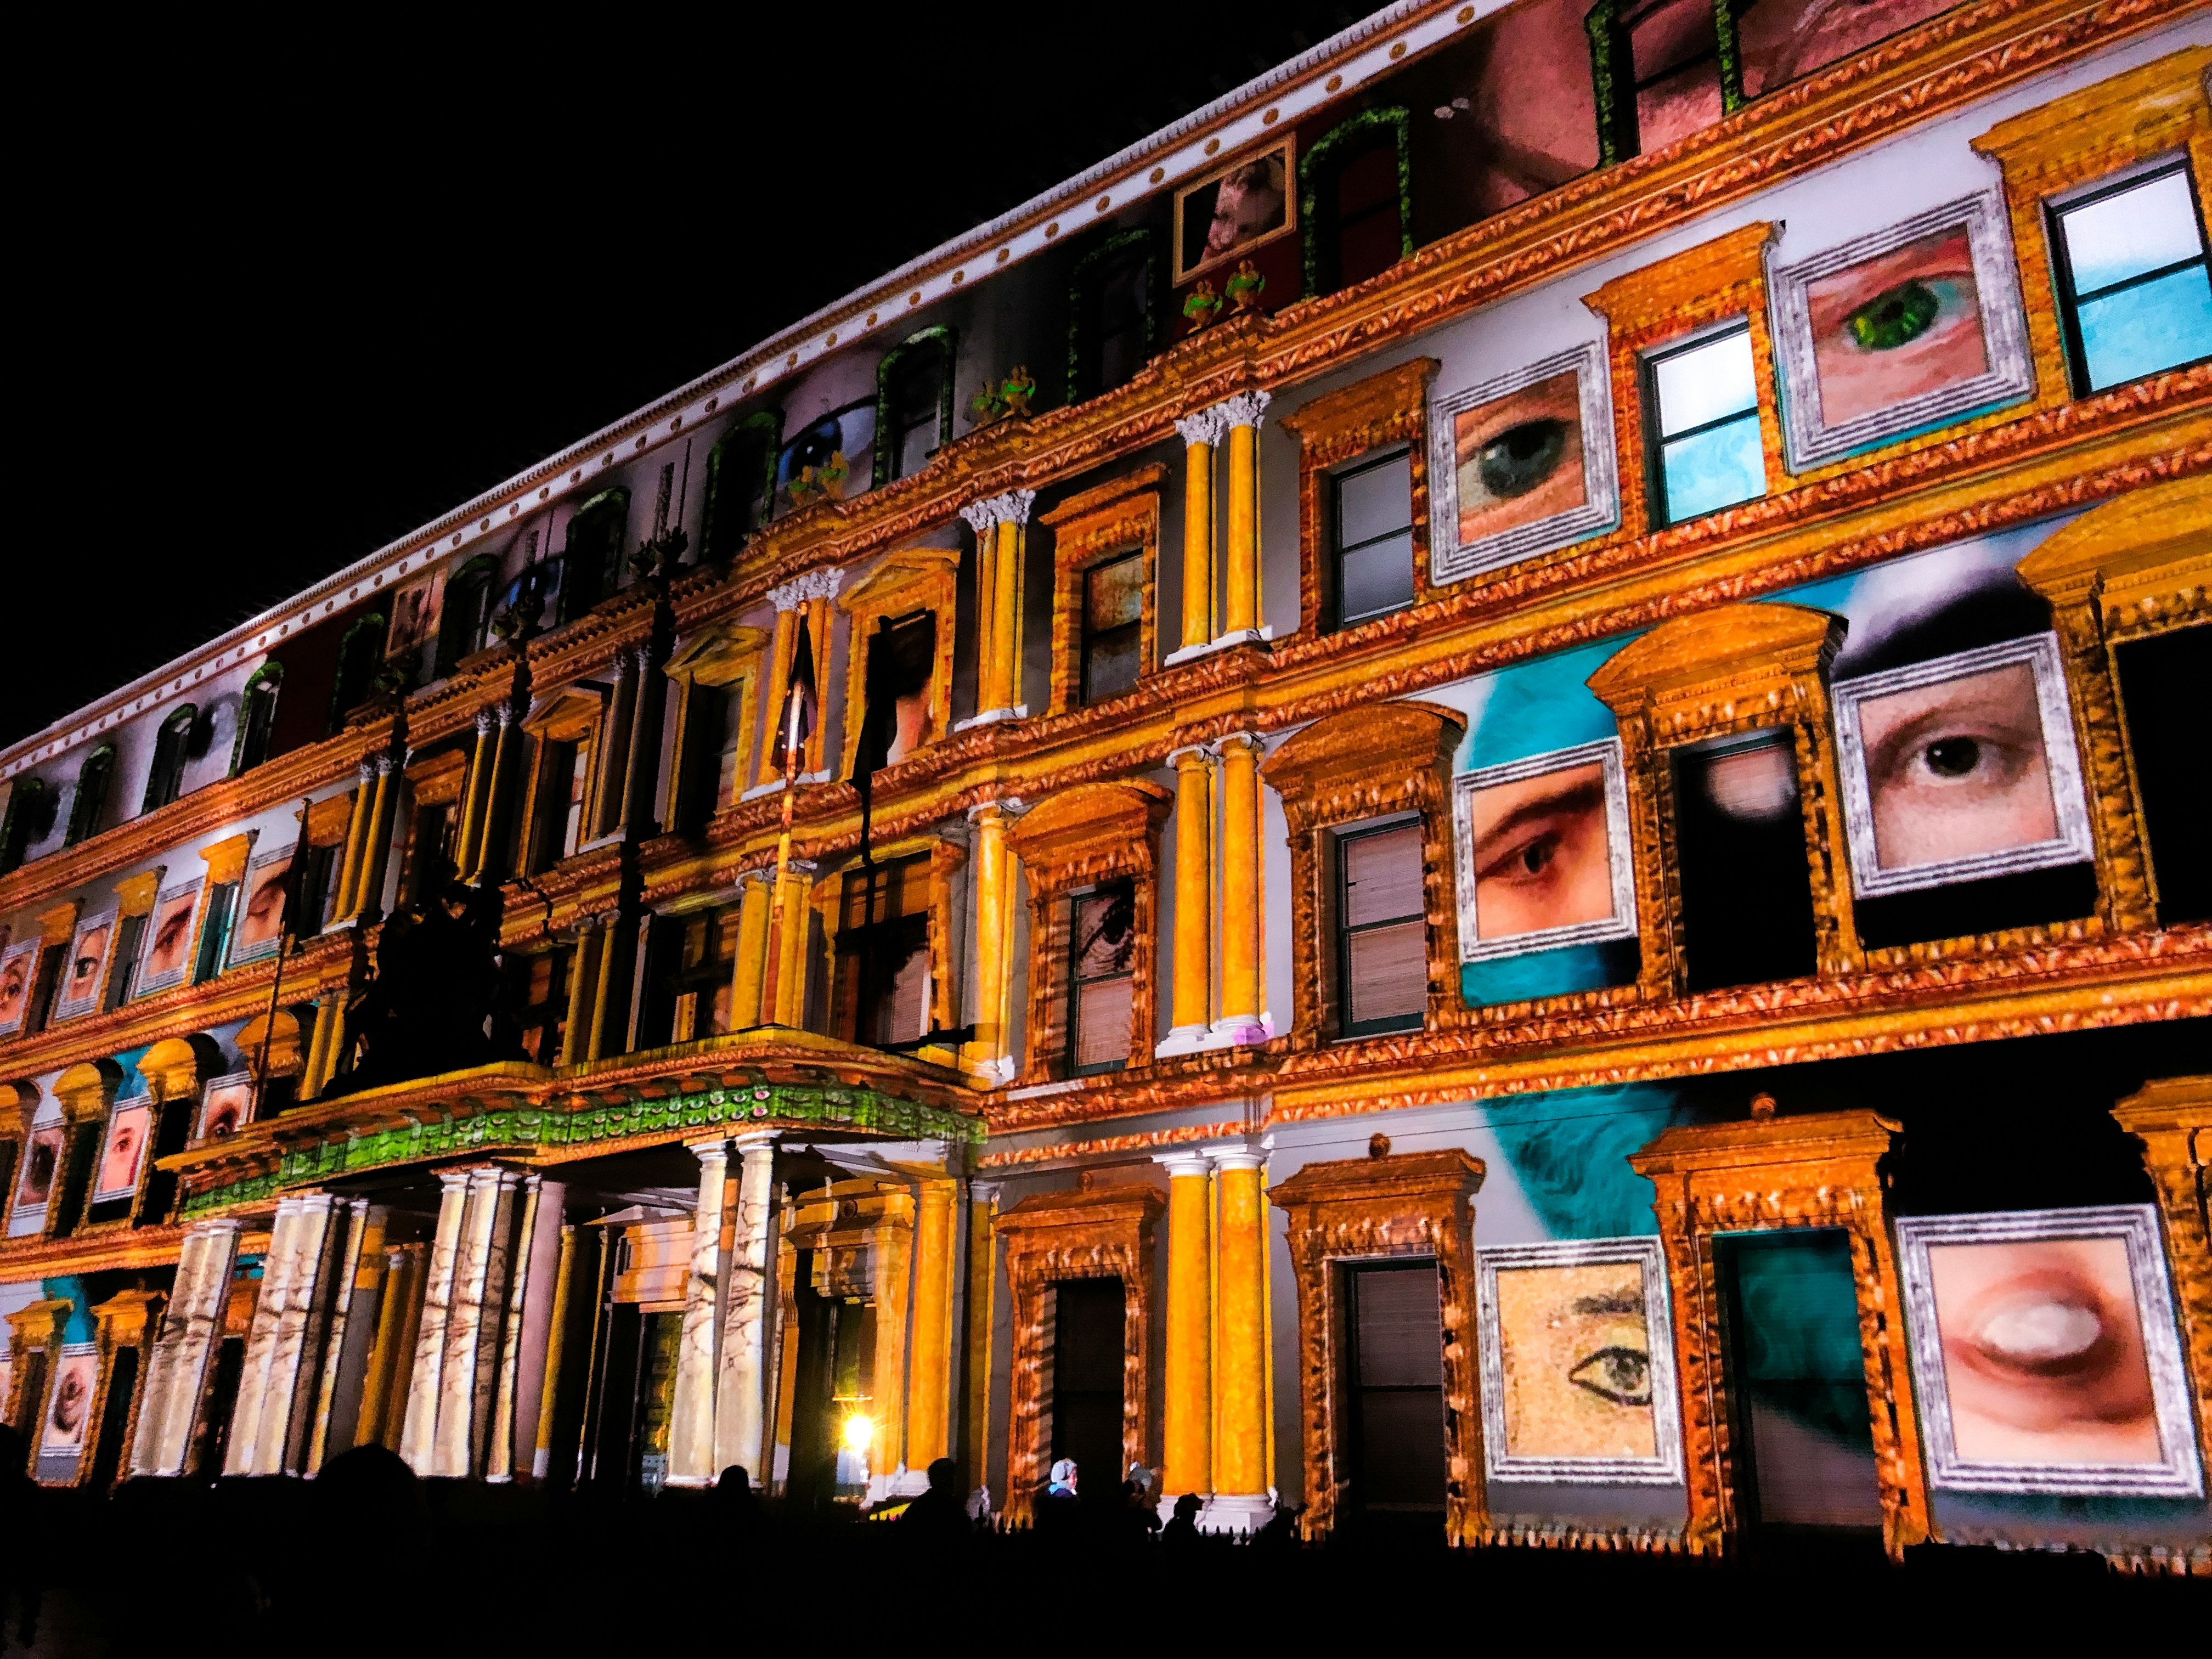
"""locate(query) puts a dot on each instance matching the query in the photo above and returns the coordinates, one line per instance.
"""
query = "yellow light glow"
(859, 1431)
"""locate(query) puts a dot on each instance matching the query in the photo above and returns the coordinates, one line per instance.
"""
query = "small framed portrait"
(123, 1154)
(226, 1106)
(86, 970)
(2045, 1354)
(1908, 328)
(1543, 853)
(261, 909)
(1577, 1354)
(19, 966)
(1237, 208)
(1521, 464)
(1960, 767)
(168, 958)
(415, 609)
(42, 1162)
(70, 1406)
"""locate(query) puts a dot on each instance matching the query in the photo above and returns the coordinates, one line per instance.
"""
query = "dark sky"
(292, 298)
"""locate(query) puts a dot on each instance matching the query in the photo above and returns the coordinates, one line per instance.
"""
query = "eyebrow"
(1614, 1303)
(1574, 798)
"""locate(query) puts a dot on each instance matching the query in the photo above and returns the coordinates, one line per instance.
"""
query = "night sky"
(293, 297)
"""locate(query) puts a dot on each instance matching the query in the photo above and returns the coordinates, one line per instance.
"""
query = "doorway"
(114, 1419)
(1394, 1316)
(1089, 1342)
(832, 1422)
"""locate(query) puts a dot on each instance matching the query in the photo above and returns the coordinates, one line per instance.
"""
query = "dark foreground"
(281, 1566)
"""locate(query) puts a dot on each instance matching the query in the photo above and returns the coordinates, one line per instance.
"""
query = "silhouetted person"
(1058, 1511)
(1281, 1532)
(1140, 1512)
(1182, 1530)
(737, 1507)
(938, 1516)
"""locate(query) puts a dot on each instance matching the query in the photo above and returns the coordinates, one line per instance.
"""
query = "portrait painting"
(123, 1154)
(19, 966)
(70, 1406)
(1522, 463)
(42, 1159)
(1577, 1363)
(1227, 214)
(261, 908)
(1912, 327)
(168, 946)
(226, 1106)
(416, 610)
(1960, 768)
(87, 966)
(1543, 853)
(2044, 1353)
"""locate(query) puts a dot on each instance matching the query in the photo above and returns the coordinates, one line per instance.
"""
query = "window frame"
(2070, 298)
(723, 535)
(165, 776)
(1339, 838)
(1337, 475)
(94, 778)
(1093, 527)
(1656, 446)
(257, 717)
(940, 340)
(1085, 322)
(1319, 163)
(1071, 1034)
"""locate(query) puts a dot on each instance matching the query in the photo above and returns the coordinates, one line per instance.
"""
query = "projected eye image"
(87, 958)
(1957, 767)
(1541, 854)
(120, 1160)
(261, 918)
(1576, 1361)
(15, 970)
(225, 1108)
(41, 1160)
(1520, 460)
(169, 940)
(72, 1400)
(1907, 323)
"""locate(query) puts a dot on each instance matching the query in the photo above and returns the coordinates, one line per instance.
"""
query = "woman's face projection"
(1575, 1354)
(1541, 858)
(1957, 767)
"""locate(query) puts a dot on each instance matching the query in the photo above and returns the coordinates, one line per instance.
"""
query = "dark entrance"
(114, 1419)
(1088, 1341)
(1397, 1372)
(830, 1384)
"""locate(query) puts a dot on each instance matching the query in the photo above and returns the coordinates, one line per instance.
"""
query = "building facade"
(1461, 796)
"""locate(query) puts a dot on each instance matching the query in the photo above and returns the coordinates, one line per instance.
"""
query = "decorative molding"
(813, 584)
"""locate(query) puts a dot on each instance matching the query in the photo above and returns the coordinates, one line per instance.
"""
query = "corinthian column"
(1200, 433)
(999, 523)
(691, 1415)
(741, 1416)
(176, 1376)
(1241, 591)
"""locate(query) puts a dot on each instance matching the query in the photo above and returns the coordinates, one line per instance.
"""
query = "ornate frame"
(2178, 1474)
(234, 956)
(1095, 1232)
(143, 983)
(911, 580)
(1619, 852)
(1092, 833)
(2173, 1119)
(1399, 121)
(1338, 426)
(1664, 1467)
(20, 950)
(1094, 527)
(1286, 141)
(1451, 560)
(1817, 1170)
(1810, 440)
(1369, 1209)
(2071, 845)
(94, 1194)
(719, 656)
(946, 857)
(1365, 763)
(112, 919)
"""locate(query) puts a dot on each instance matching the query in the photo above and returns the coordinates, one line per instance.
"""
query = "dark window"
(1112, 626)
(1101, 976)
(1740, 851)
(541, 999)
(902, 662)
(318, 889)
(1382, 965)
(1113, 322)
(914, 391)
(563, 796)
(31, 807)
(1368, 228)
(590, 564)
(1353, 181)
(1373, 531)
(2166, 687)
(1397, 1454)
(1656, 67)
(257, 719)
(2132, 282)
(128, 932)
(465, 626)
(740, 476)
(715, 750)
(428, 863)
(92, 780)
(359, 655)
(705, 954)
(1706, 453)
(1088, 1343)
(882, 988)
(172, 746)
(214, 930)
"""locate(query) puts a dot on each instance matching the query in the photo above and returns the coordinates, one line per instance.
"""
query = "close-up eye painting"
(169, 938)
(1543, 847)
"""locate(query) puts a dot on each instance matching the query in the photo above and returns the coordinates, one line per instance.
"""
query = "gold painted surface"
(2173, 1119)
(1388, 408)
(1118, 517)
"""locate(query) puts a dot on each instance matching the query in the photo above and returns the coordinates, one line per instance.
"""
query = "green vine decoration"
(937, 337)
(1314, 165)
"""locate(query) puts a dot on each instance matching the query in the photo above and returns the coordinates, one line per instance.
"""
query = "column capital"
(383, 766)
(366, 770)
(1245, 409)
(1226, 1158)
(982, 516)
(1205, 427)
(1229, 740)
(712, 1147)
(215, 1229)
(1191, 755)
(753, 1143)
(1006, 806)
(456, 1180)
(984, 1192)
(800, 869)
(1014, 506)
(1186, 1161)
(821, 584)
(484, 721)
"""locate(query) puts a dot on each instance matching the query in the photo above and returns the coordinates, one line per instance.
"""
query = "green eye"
(1519, 457)
(1895, 317)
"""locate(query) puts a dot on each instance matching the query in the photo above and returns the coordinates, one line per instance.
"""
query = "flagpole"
(277, 983)
(783, 840)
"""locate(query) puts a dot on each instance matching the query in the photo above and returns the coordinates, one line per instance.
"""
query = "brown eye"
(1953, 757)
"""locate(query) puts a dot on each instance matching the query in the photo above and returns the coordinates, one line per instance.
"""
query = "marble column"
(1200, 433)
(741, 1414)
(1186, 1433)
(929, 1358)
(363, 1235)
(691, 1415)
(794, 926)
(498, 1453)
(1241, 1476)
(1240, 555)
(999, 526)
(1244, 993)
(176, 1374)
(469, 1368)
(356, 841)
(749, 974)
(980, 1316)
(274, 1414)
(425, 1382)
(1192, 994)
(641, 790)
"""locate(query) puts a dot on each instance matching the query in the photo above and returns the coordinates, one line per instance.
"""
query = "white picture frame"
(103, 928)
(150, 979)
(1619, 857)
(19, 971)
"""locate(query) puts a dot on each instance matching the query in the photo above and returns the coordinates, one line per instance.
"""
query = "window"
(1111, 324)
(1373, 533)
(428, 863)
(882, 980)
(31, 806)
(541, 993)
(1356, 203)
(214, 930)
(1706, 455)
(92, 781)
(466, 627)
(902, 659)
(318, 889)
(1101, 977)
(1112, 626)
(1664, 55)
(914, 403)
(590, 564)
(2132, 284)
(257, 720)
(171, 743)
(1747, 902)
(705, 956)
(359, 653)
(740, 480)
(1383, 966)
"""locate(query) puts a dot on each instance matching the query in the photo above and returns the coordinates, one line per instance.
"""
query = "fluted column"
(270, 1420)
(1241, 1475)
(476, 796)
(356, 841)
(741, 1415)
(476, 1309)
(794, 926)
(929, 1362)
(748, 973)
(691, 1415)
(362, 1233)
(176, 1375)
(490, 862)
(1191, 1001)
(425, 1382)
(323, 1042)
(498, 1447)
(990, 1056)
(1243, 991)
(1241, 530)
(1200, 433)
(1187, 1438)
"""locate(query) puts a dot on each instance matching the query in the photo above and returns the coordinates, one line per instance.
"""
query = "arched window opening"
(1356, 199)
(1656, 65)
(358, 653)
(741, 482)
(465, 628)
(590, 564)
(914, 403)
(92, 780)
(172, 749)
(1113, 316)
(31, 806)
(257, 721)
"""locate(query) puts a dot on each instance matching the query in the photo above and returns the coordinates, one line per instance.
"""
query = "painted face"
(1541, 854)
(2043, 1354)
(1907, 323)
(1576, 1358)
(1247, 206)
(72, 1395)
(1957, 767)
(1520, 458)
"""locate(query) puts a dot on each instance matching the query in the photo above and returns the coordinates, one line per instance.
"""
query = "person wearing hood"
(1056, 1510)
